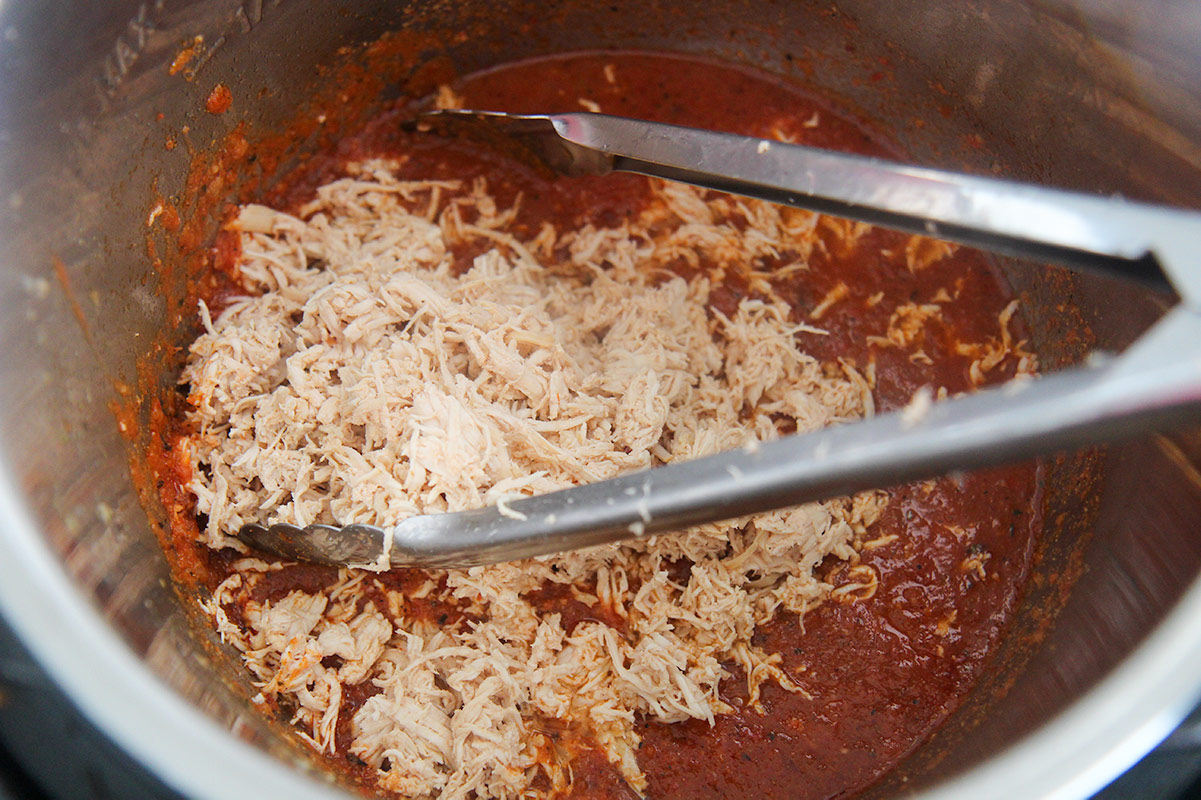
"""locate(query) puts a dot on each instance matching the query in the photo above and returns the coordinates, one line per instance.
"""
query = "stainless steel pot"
(1100, 96)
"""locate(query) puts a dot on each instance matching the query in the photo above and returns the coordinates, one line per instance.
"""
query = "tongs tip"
(331, 545)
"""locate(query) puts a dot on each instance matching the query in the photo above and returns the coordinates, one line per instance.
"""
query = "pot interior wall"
(1048, 93)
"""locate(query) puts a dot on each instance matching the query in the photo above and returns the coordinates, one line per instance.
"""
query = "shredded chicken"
(366, 381)
(921, 252)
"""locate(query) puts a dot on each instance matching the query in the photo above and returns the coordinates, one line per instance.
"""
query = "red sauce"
(557, 598)
(881, 672)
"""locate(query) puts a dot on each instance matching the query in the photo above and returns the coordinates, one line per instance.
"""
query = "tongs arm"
(1155, 383)
(1129, 240)
(1139, 389)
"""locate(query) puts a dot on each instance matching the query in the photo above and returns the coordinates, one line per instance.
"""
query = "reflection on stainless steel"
(1087, 95)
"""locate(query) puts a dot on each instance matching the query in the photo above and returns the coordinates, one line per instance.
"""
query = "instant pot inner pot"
(102, 118)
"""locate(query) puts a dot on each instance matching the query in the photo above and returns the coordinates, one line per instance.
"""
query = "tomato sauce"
(881, 672)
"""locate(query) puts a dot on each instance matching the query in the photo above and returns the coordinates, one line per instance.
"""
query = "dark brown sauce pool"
(884, 672)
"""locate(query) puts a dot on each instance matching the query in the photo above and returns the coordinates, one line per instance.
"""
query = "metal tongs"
(1155, 383)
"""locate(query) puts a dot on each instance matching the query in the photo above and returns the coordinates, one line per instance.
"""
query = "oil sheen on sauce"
(882, 673)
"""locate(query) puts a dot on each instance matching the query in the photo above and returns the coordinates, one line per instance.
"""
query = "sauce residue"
(185, 55)
(219, 99)
(64, 281)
